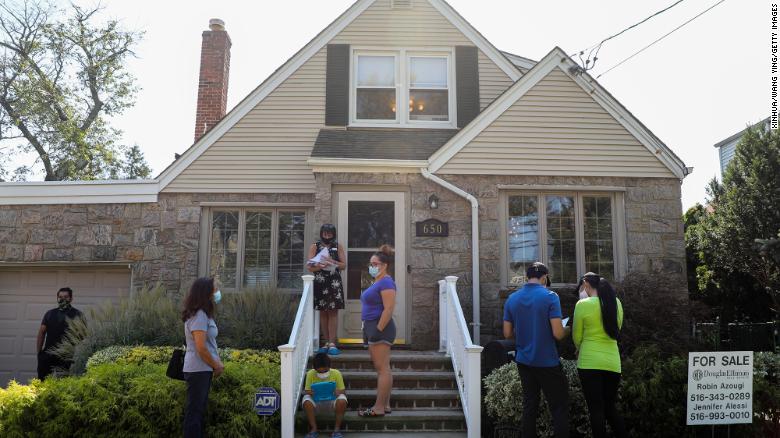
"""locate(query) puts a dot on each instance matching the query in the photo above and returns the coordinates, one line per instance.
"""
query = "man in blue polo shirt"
(532, 316)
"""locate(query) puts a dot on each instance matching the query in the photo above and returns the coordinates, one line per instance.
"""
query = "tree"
(62, 77)
(133, 167)
(736, 240)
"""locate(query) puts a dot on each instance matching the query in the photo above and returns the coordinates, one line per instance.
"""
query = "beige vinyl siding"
(492, 81)
(556, 128)
(266, 151)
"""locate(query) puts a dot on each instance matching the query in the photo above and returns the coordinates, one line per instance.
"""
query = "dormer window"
(422, 79)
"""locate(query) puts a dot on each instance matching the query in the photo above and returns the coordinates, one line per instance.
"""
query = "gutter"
(474, 246)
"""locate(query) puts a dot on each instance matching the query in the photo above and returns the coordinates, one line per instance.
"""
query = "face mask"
(583, 294)
(373, 271)
(63, 303)
(217, 296)
(326, 241)
(323, 376)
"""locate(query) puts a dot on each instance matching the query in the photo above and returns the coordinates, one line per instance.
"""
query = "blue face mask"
(373, 271)
(217, 296)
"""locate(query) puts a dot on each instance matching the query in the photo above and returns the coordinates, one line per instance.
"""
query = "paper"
(321, 257)
(565, 321)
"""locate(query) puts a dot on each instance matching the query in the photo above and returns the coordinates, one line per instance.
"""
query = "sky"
(703, 83)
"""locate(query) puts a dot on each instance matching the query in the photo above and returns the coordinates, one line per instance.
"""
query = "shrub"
(138, 355)
(259, 318)
(125, 398)
(503, 400)
(148, 317)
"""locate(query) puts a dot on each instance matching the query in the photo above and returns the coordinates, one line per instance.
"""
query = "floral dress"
(328, 289)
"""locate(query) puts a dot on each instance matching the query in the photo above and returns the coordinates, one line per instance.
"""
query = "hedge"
(125, 393)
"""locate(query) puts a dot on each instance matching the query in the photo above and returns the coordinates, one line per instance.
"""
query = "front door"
(366, 221)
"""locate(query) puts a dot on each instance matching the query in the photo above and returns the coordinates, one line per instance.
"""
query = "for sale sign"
(720, 387)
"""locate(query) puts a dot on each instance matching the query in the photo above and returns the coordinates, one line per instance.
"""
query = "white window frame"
(402, 56)
(206, 240)
(619, 249)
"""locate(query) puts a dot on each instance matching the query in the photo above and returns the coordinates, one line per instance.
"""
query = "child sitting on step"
(324, 389)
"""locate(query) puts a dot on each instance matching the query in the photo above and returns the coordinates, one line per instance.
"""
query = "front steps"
(424, 400)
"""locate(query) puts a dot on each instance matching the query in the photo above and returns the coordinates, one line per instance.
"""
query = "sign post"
(266, 401)
(720, 387)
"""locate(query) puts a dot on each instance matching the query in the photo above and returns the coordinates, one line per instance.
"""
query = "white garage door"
(26, 293)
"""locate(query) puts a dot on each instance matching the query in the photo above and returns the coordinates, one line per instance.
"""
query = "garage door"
(26, 293)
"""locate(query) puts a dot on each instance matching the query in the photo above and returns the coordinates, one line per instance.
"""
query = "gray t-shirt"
(192, 361)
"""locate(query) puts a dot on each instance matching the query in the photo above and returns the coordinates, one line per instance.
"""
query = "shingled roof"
(380, 144)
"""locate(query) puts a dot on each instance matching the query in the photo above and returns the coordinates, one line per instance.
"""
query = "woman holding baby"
(328, 290)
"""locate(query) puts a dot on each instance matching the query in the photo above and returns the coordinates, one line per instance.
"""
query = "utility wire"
(597, 47)
(659, 39)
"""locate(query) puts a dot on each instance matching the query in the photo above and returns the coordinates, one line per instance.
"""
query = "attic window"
(401, 4)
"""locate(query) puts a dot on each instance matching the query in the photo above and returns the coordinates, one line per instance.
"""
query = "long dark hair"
(591, 278)
(199, 298)
(609, 309)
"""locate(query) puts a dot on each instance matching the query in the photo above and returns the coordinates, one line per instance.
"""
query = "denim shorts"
(372, 335)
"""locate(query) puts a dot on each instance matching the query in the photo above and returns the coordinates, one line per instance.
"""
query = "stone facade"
(654, 234)
(161, 240)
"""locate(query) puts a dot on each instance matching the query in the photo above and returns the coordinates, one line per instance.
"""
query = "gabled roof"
(302, 56)
(557, 58)
(739, 134)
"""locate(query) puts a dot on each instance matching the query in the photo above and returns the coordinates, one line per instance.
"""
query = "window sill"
(421, 125)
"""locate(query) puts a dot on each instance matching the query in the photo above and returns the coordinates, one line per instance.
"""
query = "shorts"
(372, 335)
(324, 406)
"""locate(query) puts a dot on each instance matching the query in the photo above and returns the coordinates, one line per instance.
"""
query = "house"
(400, 123)
(728, 146)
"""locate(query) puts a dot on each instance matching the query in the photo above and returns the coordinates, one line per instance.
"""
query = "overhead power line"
(597, 47)
(659, 39)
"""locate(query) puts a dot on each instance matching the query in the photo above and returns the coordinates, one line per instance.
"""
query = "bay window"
(250, 248)
(382, 79)
(572, 233)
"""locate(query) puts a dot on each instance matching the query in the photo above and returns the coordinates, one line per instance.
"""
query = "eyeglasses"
(376, 265)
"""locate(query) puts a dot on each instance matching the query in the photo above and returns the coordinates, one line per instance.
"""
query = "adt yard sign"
(720, 387)
(266, 401)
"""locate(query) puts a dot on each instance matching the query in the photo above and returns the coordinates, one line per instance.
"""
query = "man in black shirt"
(53, 328)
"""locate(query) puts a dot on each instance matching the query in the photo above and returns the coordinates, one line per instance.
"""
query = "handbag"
(176, 365)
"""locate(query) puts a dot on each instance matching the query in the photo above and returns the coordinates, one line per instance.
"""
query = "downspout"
(474, 245)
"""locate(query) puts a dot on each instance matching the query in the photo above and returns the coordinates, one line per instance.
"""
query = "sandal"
(337, 434)
(311, 435)
(369, 413)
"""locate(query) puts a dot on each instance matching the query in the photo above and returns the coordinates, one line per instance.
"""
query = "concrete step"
(444, 420)
(428, 400)
(402, 379)
(399, 361)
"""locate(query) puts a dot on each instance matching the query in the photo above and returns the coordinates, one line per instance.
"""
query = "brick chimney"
(213, 83)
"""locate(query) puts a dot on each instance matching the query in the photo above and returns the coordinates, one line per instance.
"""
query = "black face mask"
(327, 241)
(63, 303)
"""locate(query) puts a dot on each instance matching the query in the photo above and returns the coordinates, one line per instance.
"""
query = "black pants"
(553, 382)
(48, 362)
(198, 386)
(600, 389)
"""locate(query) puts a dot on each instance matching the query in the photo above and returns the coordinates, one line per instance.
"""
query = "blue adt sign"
(266, 401)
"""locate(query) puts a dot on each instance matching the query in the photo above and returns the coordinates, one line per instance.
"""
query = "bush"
(503, 400)
(133, 397)
(138, 355)
(652, 397)
(148, 317)
(259, 318)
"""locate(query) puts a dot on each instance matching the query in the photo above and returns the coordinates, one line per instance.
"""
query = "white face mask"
(323, 376)
(583, 294)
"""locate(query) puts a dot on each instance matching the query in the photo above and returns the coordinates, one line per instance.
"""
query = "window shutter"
(337, 86)
(467, 80)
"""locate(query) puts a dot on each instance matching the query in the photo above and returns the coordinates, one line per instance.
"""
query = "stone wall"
(160, 240)
(653, 223)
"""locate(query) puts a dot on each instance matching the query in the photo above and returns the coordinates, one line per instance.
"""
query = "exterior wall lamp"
(433, 201)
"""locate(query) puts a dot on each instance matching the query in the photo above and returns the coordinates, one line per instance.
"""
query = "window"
(572, 233)
(426, 83)
(252, 247)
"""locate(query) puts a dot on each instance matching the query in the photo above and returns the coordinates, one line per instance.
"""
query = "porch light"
(433, 201)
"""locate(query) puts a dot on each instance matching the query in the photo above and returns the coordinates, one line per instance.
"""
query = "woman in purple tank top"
(378, 302)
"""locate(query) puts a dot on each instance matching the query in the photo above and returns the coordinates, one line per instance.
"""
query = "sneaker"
(323, 349)
(312, 435)
(333, 351)
(337, 434)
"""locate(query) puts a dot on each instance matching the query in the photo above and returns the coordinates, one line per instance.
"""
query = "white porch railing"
(454, 339)
(295, 355)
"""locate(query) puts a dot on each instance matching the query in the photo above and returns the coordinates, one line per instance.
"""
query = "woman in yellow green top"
(595, 331)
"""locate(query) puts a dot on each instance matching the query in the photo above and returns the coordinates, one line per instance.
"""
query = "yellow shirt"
(597, 351)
